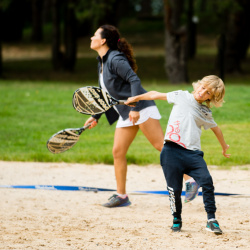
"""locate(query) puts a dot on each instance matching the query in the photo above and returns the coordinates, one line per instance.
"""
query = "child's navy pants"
(176, 161)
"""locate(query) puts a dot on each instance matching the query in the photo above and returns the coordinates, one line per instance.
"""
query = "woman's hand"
(134, 116)
(93, 122)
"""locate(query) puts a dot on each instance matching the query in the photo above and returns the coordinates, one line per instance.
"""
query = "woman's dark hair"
(114, 42)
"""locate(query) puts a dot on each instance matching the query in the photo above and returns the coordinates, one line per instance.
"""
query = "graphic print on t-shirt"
(174, 134)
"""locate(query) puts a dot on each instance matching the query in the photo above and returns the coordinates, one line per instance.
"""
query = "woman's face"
(96, 40)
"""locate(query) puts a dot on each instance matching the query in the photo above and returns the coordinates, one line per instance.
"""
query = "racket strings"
(90, 100)
(81, 105)
(63, 141)
(87, 99)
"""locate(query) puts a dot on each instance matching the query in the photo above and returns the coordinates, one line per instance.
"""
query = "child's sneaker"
(177, 224)
(213, 226)
(117, 201)
(192, 190)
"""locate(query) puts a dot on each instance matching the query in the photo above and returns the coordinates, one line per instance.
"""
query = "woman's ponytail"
(114, 42)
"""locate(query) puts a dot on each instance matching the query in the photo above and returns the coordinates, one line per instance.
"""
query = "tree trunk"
(13, 19)
(146, 9)
(238, 38)
(1, 58)
(70, 36)
(191, 24)
(37, 26)
(57, 55)
(221, 56)
(175, 42)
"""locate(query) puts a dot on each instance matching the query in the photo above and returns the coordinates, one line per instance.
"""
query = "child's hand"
(130, 102)
(225, 150)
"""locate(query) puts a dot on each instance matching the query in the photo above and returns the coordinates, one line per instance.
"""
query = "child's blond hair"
(217, 87)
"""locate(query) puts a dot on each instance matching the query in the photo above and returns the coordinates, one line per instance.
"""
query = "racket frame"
(97, 99)
(61, 147)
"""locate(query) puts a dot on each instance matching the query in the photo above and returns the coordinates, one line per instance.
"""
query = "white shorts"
(149, 112)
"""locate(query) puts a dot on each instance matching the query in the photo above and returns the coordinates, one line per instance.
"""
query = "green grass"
(33, 111)
(38, 104)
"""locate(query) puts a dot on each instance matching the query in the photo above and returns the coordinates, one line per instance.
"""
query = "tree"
(92, 14)
(37, 24)
(4, 4)
(1, 58)
(96, 13)
(230, 20)
(237, 37)
(57, 55)
(70, 35)
(175, 42)
(13, 17)
(64, 60)
(191, 30)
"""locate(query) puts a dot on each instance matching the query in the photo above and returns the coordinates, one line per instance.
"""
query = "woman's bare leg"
(122, 140)
(153, 132)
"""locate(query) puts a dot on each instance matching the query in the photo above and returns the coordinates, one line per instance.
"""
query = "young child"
(182, 153)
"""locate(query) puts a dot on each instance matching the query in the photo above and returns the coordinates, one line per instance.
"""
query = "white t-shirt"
(186, 119)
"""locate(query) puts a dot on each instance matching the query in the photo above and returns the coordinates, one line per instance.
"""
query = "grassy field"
(35, 101)
(31, 112)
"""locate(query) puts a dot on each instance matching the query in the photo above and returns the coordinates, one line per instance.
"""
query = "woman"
(117, 75)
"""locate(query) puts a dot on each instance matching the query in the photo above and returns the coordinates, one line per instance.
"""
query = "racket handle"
(88, 125)
(130, 104)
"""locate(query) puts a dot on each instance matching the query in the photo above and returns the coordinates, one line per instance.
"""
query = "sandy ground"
(52, 219)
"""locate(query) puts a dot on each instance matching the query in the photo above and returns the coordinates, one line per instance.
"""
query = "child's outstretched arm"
(151, 95)
(217, 131)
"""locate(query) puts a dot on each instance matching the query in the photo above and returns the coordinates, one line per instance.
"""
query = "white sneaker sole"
(209, 230)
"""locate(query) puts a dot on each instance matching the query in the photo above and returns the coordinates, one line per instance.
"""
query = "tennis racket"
(65, 139)
(93, 100)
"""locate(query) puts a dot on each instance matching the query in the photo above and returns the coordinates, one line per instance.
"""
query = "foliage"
(32, 111)
(93, 11)
(213, 14)
(4, 4)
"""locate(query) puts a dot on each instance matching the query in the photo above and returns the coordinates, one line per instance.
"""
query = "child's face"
(202, 94)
